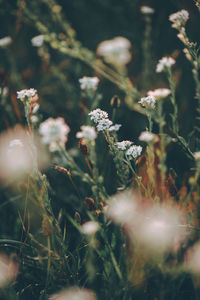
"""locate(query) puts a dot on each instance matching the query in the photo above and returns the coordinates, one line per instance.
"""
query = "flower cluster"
(54, 133)
(89, 83)
(100, 117)
(148, 102)
(87, 132)
(26, 93)
(146, 136)
(134, 151)
(115, 51)
(146, 10)
(179, 19)
(5, 41)
(38, 40)
(124, 145)
(131, 150)
(164, 63)
(97, 115)
(159, 93)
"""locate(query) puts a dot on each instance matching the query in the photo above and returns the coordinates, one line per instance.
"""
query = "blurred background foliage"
(55, 75)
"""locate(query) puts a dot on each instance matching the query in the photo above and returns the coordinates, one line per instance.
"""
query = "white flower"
(115, 51)
(197, 155)
(89, 83)
(104, 124)
(165, 62)
(146, 136)
(115, 127)
(123, 145)
(74, 293)
(159, 93)
(97, 115)
(179, 19)
(146, 10)
(122, 208)
(134, 151)
(26, 93)
(90, 227)
(87, 132)
(54, 132)
(5, 41)
(38, 40)
(148, 102)
(159, 229)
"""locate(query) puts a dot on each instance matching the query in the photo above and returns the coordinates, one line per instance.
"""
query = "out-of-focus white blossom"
(146, 10)
(54, 133)
(148, 102)
(26, 93)
(104, 124)
(87, 132)
(197, 155)
(8, 270)
(159, 93)
(134, 151)
(122, 208)
(159, 229)
(179, 19)
(38, 40)
(5, 41)
(74, 293)
(15, 154)
(164, 63)
(115, 51)
(146, 136)
(97, 115)
(115, 127)
(89, 83)
(90, 227)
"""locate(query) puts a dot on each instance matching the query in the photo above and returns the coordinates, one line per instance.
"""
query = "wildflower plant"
(114, 210)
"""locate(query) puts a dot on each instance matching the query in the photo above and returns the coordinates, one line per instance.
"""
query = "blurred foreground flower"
(5, 41)
(122, 208)
(115, 51)
(89, 83)
(74, 293)
(16, 157)
(87, 132)
(54, 133)
(159, 93)
(90, 227)
(8, 270)
(159, 229)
